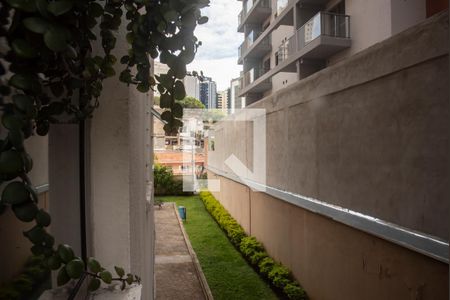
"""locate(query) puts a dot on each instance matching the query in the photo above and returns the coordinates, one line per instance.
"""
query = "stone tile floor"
(175, 271)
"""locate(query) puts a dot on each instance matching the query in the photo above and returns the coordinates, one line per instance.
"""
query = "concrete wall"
(331, 260)
(369, 134)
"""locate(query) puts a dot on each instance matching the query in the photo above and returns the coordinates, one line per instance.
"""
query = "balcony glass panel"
(329, 24)
(281, 5)
(248, 5)
(253, 74)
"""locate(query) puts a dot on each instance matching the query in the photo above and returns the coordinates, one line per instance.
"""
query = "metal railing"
(250, 39)
(253, 74)
(248, 5)
(281, 5)
(323, 24)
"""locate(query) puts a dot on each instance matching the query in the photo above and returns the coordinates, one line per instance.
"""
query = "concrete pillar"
(119, 191)
(64, 181)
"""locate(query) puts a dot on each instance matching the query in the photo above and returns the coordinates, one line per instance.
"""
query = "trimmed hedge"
(278, 275)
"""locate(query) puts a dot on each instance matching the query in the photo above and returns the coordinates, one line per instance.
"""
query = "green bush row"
(277, 274)
(34, 273)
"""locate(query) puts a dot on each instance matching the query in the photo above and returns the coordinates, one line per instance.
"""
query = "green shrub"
(278, 275)
(249, 246)
(257, 257)
(165, 183)
(295, 292)
(266, 265)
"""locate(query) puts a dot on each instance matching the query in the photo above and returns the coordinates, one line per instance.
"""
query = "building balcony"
(252, 49)
(253, 75)
(323, 35)
(319, 38)
(254, 12)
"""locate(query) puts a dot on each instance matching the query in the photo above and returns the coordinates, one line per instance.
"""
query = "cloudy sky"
(218, 55)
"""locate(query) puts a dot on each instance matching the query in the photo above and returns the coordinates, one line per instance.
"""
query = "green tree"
(163, 178)
(156, 100)
(191, 102)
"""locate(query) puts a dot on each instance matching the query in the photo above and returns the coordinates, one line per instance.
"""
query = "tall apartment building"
(191, 83)
(288, 40)
(158, 69)
(208, 93)
(223, 99)
(192, 86)
(235, 101)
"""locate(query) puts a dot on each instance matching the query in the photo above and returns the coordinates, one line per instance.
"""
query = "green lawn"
(227, 273)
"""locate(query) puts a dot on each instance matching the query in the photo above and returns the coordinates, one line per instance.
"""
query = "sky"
(217, 57)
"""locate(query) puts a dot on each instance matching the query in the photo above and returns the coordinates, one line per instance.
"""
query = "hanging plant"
(49, 74)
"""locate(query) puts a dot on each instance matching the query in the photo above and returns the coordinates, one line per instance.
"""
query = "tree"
(156, 100)
(191, 102)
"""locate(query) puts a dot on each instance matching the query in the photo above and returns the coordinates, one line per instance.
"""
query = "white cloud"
(217, 57)
(221, 70)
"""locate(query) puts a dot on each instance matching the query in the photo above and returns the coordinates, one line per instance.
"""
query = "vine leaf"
(15, 193)
(106, 277)
(61, 7)
(22, 48)
(56, 38)
(62, 277)
(75, 268)
(94, 284)
(36, 24)
(94, 265)
(120, 271)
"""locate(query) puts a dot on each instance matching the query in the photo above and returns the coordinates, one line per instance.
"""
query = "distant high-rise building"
(158, 69)
(192, 86)
(235, 101)
(208, 93)
(222, 99)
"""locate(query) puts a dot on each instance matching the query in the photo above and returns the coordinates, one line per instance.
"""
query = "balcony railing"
(323, 24)
(281, 5)
(250, 39)
(248, 5)
(253, 74)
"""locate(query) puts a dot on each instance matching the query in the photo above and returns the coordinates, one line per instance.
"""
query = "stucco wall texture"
(369, 134)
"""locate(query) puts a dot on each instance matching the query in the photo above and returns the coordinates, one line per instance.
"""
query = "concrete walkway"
(178, 274)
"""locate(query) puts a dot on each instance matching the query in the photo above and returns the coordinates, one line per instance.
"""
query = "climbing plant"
(54, 57)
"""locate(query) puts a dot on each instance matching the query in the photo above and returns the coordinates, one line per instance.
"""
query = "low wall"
(369, 136)
(332, 260)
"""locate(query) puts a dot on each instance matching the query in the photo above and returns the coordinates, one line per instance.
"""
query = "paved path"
(178, 275)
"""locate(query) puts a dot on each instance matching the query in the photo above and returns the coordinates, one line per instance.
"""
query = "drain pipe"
(82, 184)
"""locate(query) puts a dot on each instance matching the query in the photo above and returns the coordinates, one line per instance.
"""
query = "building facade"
(288, 40)
(223, 99)
(192, 86)
(208, 93)
(355, 196)
(158, 69)
(236, 102)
